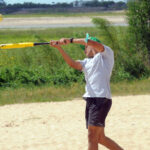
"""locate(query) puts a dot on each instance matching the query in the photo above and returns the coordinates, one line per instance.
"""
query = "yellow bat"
(20, 45)
(1, 18)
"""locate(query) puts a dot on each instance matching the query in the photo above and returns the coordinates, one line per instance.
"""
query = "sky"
(45, 1)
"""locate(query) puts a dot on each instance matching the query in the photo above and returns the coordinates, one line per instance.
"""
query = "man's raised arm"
(96, 45)
(72, 63)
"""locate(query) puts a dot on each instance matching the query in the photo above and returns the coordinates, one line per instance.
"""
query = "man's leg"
(107, 142)
(93, 137)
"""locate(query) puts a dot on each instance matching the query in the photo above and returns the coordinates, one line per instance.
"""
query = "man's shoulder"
(107, 48)
(107, 51)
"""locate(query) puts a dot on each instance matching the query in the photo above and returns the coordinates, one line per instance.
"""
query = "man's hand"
(55, 44)
(64, 41)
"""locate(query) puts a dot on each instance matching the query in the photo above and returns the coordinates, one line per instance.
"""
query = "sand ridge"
(61, 125)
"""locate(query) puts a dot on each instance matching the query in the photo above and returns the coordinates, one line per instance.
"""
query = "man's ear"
(94, 51)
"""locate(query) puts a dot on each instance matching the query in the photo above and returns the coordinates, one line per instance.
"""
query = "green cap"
(90, 38)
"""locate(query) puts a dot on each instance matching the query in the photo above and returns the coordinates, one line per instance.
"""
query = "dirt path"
(61, 125)
(47, 22)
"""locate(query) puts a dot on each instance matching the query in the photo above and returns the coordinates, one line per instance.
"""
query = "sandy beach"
(61, 125)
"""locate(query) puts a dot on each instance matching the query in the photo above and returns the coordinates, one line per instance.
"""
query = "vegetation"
(40, 72)
(55, 7)
(44, 65)
(47, 93)
(64, 14)
(129, 64)
(40, 64)
(107, 4)
(139, 26)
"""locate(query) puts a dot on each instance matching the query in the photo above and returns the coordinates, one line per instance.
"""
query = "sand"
(46, 22)
(61, 125)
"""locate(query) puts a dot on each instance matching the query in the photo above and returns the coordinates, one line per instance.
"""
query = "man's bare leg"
(93, 137)
(107, 142)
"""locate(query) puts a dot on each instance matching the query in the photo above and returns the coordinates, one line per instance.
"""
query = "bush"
(139, 24)
(129, 62)
(45, 65)
(18, 76)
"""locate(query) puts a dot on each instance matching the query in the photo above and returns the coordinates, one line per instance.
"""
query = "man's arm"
(72, 63)
(98, 47)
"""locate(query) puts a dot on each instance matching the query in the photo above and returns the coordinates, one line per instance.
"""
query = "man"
(97, 68)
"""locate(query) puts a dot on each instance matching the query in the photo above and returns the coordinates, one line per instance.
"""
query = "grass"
(49, 58)
(47, 93)
(51, 14)
(11, 36)
(40, 94)
(36, 54)
(136, 87)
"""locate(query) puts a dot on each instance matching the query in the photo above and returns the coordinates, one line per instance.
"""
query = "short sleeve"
(82, 62)
(107, 51)
(108, 55)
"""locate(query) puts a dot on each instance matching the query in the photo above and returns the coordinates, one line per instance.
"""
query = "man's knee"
(93, 135)
(102, 139)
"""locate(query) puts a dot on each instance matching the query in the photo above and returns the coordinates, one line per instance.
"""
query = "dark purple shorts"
(96, 111)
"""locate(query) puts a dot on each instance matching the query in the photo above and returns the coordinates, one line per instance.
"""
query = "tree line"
(109, 5)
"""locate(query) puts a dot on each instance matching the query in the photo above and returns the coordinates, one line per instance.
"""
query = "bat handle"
(36, 44)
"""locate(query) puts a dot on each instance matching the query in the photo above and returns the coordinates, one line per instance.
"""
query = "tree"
(139, 24)
(95, 1)
(2, 2)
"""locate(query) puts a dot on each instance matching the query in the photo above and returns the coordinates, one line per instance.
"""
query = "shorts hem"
(102, 125)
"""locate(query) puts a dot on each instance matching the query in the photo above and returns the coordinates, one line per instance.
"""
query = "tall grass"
(47, 93)
(39, 74)
(44, 93)
(39, 64)
(129, 62)
(43, 64)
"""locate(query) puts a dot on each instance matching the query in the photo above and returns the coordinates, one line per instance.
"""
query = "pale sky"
(46, 1)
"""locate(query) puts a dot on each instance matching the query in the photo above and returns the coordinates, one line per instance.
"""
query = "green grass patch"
(51, 14)
(48, 93)
(136, 87)
(40, 94)
(38, 74)
(44, 64)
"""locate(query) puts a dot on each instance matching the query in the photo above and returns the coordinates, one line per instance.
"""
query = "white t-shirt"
(97, 71)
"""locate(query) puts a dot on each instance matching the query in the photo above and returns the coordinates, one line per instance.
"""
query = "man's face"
(89, 51)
